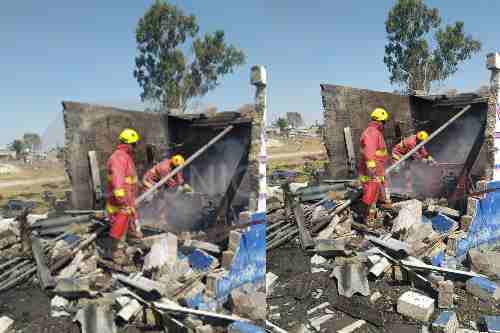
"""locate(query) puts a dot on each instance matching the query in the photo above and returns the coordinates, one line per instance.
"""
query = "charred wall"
(93, 127)
(351, 107)
(455, 143)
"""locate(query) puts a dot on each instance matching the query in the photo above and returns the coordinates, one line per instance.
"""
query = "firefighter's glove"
(187, 189)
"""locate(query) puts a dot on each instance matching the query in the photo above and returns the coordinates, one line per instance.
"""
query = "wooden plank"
(351, 155)
(46, 279)
(94, 176)
(305, 237)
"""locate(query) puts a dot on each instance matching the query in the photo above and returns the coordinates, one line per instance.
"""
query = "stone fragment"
(6, 325)
(487, 263)
(251, 306)
(234, 240)
(352, 327)
(375, 297)
(416, 306)
(446, 293)
(271, 279)
(227, 259)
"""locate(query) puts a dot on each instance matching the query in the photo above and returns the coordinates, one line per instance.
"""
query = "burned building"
(464, 149)
(225, 174)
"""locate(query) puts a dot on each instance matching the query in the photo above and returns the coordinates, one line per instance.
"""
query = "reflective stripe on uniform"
(111, 209)
(365, 179)
(371, 164)
(381, 152)
(119, 193)
(128, 180)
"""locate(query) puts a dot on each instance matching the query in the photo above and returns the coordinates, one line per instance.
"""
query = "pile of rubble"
(174, 282)
(328, 273)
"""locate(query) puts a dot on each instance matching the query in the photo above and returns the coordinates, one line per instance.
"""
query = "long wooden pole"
(179, 168)
(436, 132)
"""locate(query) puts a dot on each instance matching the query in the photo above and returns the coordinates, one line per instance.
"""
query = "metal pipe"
(9, 283)
(436, 132)
(179, 168)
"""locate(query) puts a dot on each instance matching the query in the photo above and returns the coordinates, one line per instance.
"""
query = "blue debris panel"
(248, 266)
(249, 262)
(485, 226)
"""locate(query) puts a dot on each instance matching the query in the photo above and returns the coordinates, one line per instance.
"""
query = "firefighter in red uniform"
(122, 192)
(402, 148)
(176, 183)
(371, 167)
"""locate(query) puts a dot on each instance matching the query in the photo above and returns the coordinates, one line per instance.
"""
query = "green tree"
(282, 124)
(164, 70)
(17, 146)
(32, 141)
(420, 52)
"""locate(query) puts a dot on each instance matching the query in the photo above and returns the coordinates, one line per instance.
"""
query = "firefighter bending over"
(123, 190)
(371, 166)
(402, 148)
(175, 184)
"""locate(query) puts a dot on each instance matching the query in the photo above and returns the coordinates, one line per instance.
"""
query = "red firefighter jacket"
(407, 144)
(122, 181)
(159, 171)
(373, 152)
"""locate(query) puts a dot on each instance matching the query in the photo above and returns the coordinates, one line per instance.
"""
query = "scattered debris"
(6, 324)
(416, 306)
(447, 322)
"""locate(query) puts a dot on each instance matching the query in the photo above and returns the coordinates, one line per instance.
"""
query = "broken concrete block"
(73, 288)
(234, 240)
(446, 293)
(271, 279)
(352, 327)
(447, 322)
(380, 267)
(130, 310)
(343, 227)
(491, 323)
(163, 253)
(410, 213)
(252, 306)
(227, 259)
(6, 325)
(487, 263)
(316, 262)
(415, 306)
(59, 307)
(483, 288)
(419, 232)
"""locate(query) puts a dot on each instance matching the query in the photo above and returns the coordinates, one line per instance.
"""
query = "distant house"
(6, 154)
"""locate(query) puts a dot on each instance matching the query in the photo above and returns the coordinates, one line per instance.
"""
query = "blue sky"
(84, 51)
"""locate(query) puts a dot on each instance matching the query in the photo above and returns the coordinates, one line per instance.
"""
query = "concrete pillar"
(258, 78)
(493, 64)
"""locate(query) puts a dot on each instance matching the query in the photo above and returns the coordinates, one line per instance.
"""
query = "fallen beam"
(421, 144)
(426, 267)
(46, 279)
(180, 309)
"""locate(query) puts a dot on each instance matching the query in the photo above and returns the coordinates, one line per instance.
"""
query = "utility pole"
(258, 78)
(493, 64)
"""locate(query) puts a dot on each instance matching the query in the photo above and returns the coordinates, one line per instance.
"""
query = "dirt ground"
(298, 290)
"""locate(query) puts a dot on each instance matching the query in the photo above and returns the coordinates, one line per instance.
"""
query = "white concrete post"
(493, 64)
(258, 78)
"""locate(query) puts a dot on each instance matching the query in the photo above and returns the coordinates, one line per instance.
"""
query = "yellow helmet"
(129, 136)
(177, 160)
(379, 114)
(422, 135)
